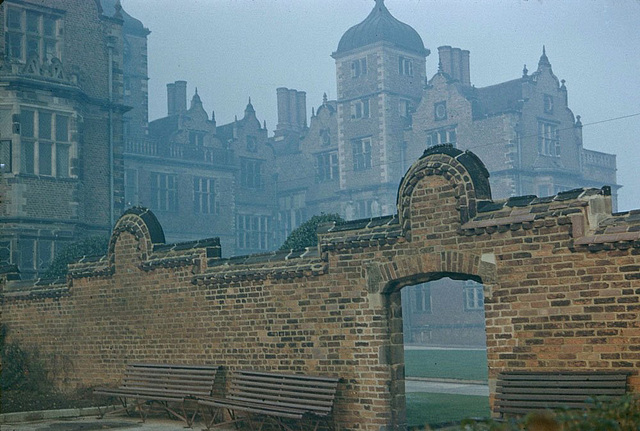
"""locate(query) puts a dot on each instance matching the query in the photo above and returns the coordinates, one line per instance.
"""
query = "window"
(34, 255)
(359, 67)
(131, 187)
(360, 109)
(325, 136)
(31, 33)
(326, 167)
(442, 136)
(544, 190)
(291, 215)
(548, 139)
(204, 197)
(251, 173)
(405, 66)
(440, 111)
(45, 148)
(548, 104)
(252, 232)
(5, 156)
(363, 208)
(473, 296)
(361, 154)
(404, 107)
(420, 297)
(5, 252)
(196, 138)
(164, 195)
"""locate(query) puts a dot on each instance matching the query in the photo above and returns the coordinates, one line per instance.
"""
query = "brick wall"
(560, 276)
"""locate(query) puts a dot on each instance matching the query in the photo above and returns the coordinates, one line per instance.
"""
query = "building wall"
(49, 202)
(560, 282)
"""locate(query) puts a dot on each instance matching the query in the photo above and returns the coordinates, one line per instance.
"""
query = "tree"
(305, 234)
(90, 246)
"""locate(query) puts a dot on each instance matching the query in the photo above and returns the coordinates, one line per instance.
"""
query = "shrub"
(305, 234)
(90, 246)
(21, 369)
(611, 414)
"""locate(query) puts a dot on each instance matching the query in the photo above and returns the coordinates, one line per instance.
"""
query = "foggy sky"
(235, 49)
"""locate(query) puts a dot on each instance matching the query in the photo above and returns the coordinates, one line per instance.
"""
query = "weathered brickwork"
(560, 279)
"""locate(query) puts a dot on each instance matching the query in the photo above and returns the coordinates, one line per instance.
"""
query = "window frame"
(362, 154)
(164, 191)
(47, 34)
(34, 145)
(204, 196)
(327, 167)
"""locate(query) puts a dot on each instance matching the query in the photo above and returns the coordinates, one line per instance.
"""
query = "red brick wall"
(560, 277)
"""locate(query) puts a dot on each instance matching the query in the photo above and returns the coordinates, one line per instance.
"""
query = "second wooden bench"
(524, 392)
(257, 397)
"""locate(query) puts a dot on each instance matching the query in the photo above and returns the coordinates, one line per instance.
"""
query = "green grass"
(448, 364)
(433, 409)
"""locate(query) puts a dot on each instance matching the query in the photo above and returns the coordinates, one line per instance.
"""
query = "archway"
(445, 357)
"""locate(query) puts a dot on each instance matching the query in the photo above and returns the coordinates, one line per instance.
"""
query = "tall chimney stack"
(180, 102)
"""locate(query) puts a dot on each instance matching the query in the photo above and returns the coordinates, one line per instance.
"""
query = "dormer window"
(359, 67)
(405, 66)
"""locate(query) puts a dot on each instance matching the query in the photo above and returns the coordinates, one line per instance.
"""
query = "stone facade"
(61, 108)
(560, 278)
(202, 179)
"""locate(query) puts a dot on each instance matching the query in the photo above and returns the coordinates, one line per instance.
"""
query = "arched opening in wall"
(444, 346)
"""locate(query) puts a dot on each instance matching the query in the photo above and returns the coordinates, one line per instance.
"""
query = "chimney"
(283, 108)
(293, 109)
(301, 97)
(465, 70)
(455, 63)
(171, 99)
(444, 56)
(180, 100)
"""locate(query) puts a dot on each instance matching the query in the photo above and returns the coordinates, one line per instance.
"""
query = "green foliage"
(611, 414)
(21, 369)
(305, 234)
(90, 246)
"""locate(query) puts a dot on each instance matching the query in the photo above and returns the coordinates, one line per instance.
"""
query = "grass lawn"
(448, 364)
(433, 409)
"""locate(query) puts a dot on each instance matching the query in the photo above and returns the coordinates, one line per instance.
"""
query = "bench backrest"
(295, 391)
(181, 380)
(523, 392)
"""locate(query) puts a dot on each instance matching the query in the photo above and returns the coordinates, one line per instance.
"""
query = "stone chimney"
(176, 97)
(455, 63)
(292, 110)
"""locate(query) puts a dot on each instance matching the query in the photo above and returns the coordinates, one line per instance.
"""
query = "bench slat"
(293, 381)
(550, 377)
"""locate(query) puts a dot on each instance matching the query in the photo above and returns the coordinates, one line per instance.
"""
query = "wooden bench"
(257, 397)
(164, 385)
(524, 392)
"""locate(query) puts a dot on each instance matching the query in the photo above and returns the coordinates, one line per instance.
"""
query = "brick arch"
(464, 171)
(145, 228)
(427, 267)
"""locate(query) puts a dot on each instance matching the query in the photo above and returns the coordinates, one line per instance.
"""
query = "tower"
(380, 68)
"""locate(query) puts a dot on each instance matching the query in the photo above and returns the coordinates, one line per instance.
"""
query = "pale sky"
(235, 49)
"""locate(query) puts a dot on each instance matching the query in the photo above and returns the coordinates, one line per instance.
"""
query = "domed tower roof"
(381, 26)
